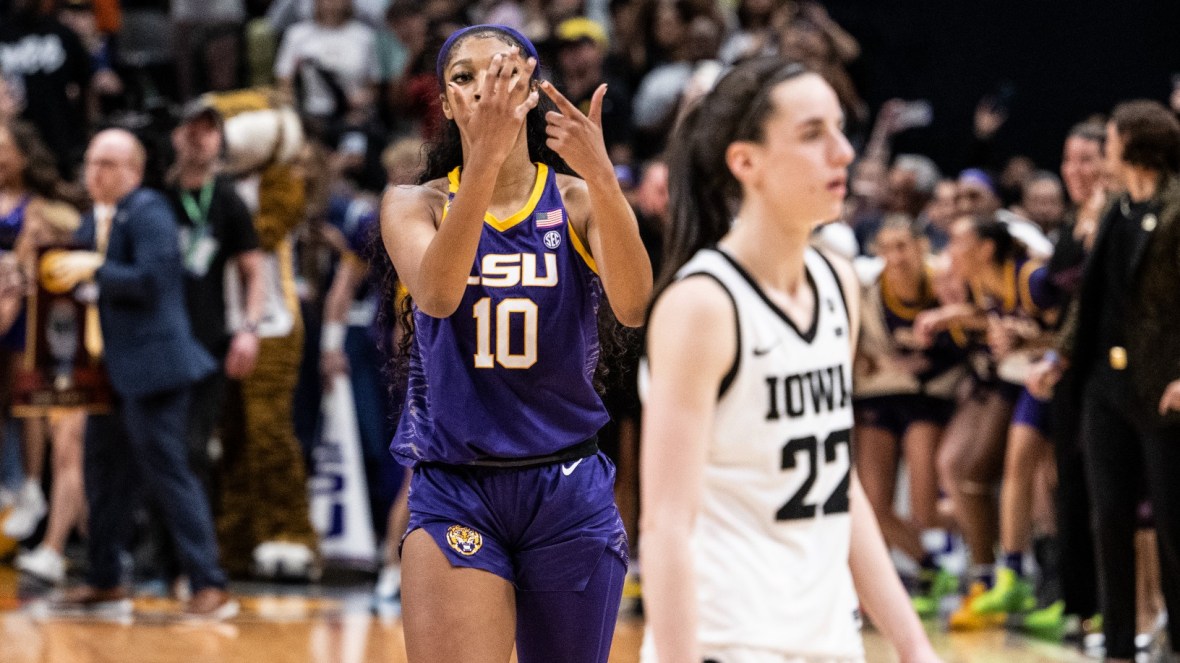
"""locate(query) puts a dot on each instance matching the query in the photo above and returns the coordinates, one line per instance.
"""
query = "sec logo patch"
(464, 540)
(552, 239)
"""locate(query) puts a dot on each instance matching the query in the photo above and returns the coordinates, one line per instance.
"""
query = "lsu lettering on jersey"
(771, 541)
(510, 373)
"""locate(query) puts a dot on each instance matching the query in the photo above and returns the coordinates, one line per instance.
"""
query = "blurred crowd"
(272, 126)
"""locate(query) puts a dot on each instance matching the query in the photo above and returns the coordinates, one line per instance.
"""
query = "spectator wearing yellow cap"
(582, 46)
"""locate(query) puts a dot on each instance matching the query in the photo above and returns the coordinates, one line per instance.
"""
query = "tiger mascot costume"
(264, 525)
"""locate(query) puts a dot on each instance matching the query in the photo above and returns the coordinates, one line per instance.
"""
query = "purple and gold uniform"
(892, 396)
(1029, 293)
(500, 422)
(510, 374)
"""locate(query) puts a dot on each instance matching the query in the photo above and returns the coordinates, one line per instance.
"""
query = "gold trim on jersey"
(581, 249)
(1025, 280)
(900, 308)
(520, 215)
(1009, 297)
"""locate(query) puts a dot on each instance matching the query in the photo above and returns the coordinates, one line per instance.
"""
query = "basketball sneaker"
(298, 562)
(1154, 640)
(27, 512)
(1010, 595)
(266, 559)
(283, 560)
(966, 619)
(1051, 622)
(43, 563)
(933, 585)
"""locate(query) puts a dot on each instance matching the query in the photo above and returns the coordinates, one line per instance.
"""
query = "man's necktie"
(102, 234)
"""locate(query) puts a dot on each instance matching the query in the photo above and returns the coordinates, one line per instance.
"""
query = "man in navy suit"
(153, 360)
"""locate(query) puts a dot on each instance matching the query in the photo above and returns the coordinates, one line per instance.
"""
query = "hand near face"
(488, 107)
(577, 138)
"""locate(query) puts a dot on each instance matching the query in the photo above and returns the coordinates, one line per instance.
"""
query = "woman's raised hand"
(492, 114)
(575, 137)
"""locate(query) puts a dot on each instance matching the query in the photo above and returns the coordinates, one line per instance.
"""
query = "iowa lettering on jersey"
(825, 390)
(506, 270)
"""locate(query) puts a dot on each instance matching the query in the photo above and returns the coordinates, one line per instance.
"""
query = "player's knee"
(976, 487)
(948, 465)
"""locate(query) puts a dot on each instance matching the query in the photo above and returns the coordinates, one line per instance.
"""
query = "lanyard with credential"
(198, 214)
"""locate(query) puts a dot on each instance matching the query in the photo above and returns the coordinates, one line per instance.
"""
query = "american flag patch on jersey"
(548, 220)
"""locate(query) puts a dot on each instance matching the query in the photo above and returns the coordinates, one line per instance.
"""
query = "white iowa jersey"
(771, 541)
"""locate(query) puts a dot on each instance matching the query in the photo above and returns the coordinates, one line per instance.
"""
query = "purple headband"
(529, 49)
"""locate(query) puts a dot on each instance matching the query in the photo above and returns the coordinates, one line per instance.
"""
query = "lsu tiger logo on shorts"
(464, 540)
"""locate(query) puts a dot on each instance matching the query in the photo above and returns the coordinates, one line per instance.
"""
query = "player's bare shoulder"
(686, 306)
(576, 197)
(414, 203)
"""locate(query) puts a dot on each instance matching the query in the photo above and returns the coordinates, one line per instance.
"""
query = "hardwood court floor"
(282, 627)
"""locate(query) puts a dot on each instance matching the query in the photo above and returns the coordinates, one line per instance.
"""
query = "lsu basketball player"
(903, 398)
(513, 535)
(767, 546)
(1020, 299)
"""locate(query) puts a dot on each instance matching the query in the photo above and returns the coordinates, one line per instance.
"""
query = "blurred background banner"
(339, 493)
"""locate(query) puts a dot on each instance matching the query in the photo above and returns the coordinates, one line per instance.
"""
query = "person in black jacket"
(1122, 351)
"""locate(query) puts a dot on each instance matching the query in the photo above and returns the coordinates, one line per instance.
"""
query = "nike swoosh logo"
(569, 469)
(758, 352)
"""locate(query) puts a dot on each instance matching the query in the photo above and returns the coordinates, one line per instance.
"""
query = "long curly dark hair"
(441, 156)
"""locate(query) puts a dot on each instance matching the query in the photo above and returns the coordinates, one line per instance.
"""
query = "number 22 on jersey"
(797, 508)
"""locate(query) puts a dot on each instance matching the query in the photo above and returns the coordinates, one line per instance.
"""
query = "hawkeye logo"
(464, 540)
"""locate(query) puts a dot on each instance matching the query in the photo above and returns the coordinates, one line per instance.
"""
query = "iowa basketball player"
(764, 537)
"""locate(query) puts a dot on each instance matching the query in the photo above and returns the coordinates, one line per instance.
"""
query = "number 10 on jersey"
(484, 356)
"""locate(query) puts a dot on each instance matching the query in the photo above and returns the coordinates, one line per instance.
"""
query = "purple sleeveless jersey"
(510, 373)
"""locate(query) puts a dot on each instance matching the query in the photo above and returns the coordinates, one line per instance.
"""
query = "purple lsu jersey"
(1028, 291)
(510, 373)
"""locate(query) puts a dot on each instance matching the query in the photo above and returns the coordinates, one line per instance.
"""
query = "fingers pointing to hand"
(575, 137)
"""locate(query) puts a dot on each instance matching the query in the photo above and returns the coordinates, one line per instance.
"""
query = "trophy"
(57, 371)
(61, 337)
